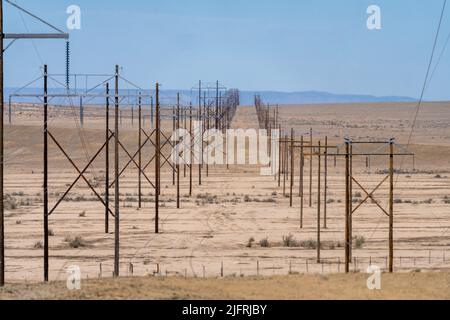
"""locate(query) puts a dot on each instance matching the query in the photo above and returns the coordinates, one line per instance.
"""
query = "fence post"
(257, 267)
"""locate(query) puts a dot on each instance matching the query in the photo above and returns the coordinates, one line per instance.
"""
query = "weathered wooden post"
(139, 152)
(173, 130)
(45, 184)
(191, 151)
(350, 203)
(292, 168)
(107, 162)
(310, 165)
(319, 162)
(391, 206)
(157, 159)
(200, 119)
(177, 152)
(347, 206)
(116, 176)
(285, 162)
(325, 191)
(280, 158)
(302, 166)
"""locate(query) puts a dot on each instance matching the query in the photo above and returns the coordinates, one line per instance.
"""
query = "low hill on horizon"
(313, 97)
(246, 96)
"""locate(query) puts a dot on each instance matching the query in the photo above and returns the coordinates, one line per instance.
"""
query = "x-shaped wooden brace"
(162, 146)
(134, 156)
(80, 173)
(135, 163)
(370, 195)
(166, 160)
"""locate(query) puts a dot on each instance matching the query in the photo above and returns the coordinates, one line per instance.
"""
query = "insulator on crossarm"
(67, 65)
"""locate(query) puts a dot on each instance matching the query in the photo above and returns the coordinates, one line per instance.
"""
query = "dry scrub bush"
(38, 245)
(359, 242)
(250, 242)
(290, 242)
(77, 242)
(264, 243)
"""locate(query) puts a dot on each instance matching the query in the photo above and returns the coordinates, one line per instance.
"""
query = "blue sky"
(285, 45)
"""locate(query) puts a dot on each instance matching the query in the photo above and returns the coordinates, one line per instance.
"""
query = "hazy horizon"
(246, 96)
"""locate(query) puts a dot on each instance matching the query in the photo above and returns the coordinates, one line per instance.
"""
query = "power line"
(427, 74)
(439, 59)
(32, 41)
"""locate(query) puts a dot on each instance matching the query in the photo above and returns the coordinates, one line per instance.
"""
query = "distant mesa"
(313, 97)
(247, 97)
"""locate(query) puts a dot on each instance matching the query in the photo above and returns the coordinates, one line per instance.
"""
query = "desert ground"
(300, 287)
(234, 223)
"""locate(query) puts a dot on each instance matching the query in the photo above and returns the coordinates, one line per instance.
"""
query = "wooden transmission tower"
(59, 34)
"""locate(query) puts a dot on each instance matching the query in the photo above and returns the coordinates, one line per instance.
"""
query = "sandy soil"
(212, 229)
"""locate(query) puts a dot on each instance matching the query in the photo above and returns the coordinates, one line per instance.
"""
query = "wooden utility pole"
(184, 127)
(157, 159)
(217, 106)
(173, 130)
(325, 194)
(45, 185)
(107, 162)
(81, 112)
(116, 177)
(2, 209)
(391, 206)
(347, 206)
(220, 112)
(302, 166)
(152, 114)
(206, 126)
(177, 152)
(350, 204)
(292, 168)
(269, 135)
(285, 161)
(280, 159)
(200, 156)
(191, 151)
(13, 37)
(310, 166)
(140, 152)
(319, 162)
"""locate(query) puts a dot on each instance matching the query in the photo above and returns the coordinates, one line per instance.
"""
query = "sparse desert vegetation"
(236, 213)
(75, 242)
(413, 285)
